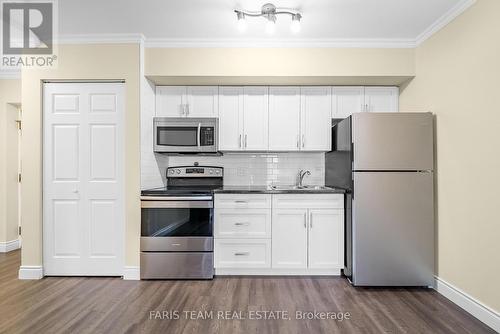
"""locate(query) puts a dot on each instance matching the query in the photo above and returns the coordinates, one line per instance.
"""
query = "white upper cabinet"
(202, 101)
(255, 118)
(284, 118)
(182, 101)
(381, 99)
(230, 118)
(347, 100)
(170, 101)
(315, 119)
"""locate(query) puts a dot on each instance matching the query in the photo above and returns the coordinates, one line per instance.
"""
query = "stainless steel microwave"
(185, 135)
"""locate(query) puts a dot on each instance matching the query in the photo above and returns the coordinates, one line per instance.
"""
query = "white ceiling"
(215, 20)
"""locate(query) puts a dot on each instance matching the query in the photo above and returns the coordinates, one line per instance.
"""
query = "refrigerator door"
(393, 229)
(392, 141)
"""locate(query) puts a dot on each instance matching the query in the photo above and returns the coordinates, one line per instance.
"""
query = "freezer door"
(392, 141)
(393, 229)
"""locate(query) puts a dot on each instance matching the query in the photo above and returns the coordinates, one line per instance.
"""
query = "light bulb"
(295, 25)
(242, 24)
(270, 27)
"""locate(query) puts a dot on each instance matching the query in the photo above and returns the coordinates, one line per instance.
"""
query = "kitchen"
(318, 178)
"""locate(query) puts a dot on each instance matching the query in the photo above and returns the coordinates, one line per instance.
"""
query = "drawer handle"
(176, 244)
(242, 253)
(241, 224)
(241, 202)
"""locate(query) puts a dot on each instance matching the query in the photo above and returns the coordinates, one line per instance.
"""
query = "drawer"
(242, 223)
(242, 253)
(308, 201)
(243, 201)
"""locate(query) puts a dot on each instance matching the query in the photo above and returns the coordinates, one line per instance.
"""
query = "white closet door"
(83, 182)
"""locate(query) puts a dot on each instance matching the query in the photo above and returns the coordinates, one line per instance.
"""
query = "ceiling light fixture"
(269, 12)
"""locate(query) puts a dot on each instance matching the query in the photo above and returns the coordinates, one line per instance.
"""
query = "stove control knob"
(171, 171)
(178, 171)
(217, 171)
(211, 171)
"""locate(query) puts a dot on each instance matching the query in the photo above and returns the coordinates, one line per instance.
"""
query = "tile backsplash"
(245, 169)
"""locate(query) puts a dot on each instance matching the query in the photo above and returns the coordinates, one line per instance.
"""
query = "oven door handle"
(159, 204)
(199, 135)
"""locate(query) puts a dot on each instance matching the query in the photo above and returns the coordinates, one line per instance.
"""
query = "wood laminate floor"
(111, 305)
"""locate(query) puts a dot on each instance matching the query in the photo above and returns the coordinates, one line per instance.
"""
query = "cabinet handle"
(305, 220)
(310, 219)
(242, 253)
(241, 224)
(303, 141)
(240, 142)
(246, 141)
(187, 109)
(298, 140)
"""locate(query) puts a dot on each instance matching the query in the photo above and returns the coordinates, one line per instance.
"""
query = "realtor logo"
(28, 33)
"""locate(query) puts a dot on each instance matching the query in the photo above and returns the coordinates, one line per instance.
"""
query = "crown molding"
(101, 39)
(443, 20)
(277, 43)
(10, 74)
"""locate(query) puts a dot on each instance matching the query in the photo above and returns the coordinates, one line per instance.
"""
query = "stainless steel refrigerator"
(386, 162)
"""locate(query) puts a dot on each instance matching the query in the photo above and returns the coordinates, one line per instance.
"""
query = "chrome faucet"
(301, 176)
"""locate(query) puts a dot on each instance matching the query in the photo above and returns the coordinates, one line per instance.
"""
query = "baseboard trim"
(30, 272)
(9, 246)
(275, 272)
(131, 273)
(480, 311)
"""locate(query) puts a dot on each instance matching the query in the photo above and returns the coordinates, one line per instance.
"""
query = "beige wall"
(78, 62)
(457, 79)
(279, 65)
(10, 92)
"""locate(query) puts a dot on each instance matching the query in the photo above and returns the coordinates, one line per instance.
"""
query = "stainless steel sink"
(303, 188)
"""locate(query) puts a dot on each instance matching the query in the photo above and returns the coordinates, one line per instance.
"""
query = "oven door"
(176, 225)
(185, 136)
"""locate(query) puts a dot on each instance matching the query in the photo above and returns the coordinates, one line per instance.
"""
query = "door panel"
(347, 100)
(393, 229)
(256, 111)
(83, 190)
(66, 154)
(381, 99)
(387, 141)
(289, 238)
(202, 101)
(170, 100)
(315, 122)
(102, 152)
(231, 119)
(284, 118)
(326, 239)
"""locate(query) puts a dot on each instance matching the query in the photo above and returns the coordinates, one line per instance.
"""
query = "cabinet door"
(231, 118)
(202, 101)
(315, 121)
(382, 99)
(170, 100)
(284, 117)
(255, 118)
(289, 239)
(347, 100)
(326, 239)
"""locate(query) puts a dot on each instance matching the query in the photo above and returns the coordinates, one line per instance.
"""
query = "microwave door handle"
(199, 135)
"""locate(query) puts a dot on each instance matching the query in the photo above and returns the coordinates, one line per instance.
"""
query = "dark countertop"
(279, 190)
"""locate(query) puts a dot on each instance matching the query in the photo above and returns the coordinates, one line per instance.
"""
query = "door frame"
(122, 122)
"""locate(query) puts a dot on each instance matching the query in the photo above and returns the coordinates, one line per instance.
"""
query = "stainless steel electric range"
(177, 224)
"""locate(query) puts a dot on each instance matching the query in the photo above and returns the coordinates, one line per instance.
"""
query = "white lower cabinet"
(289, 238)
(279, 234)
